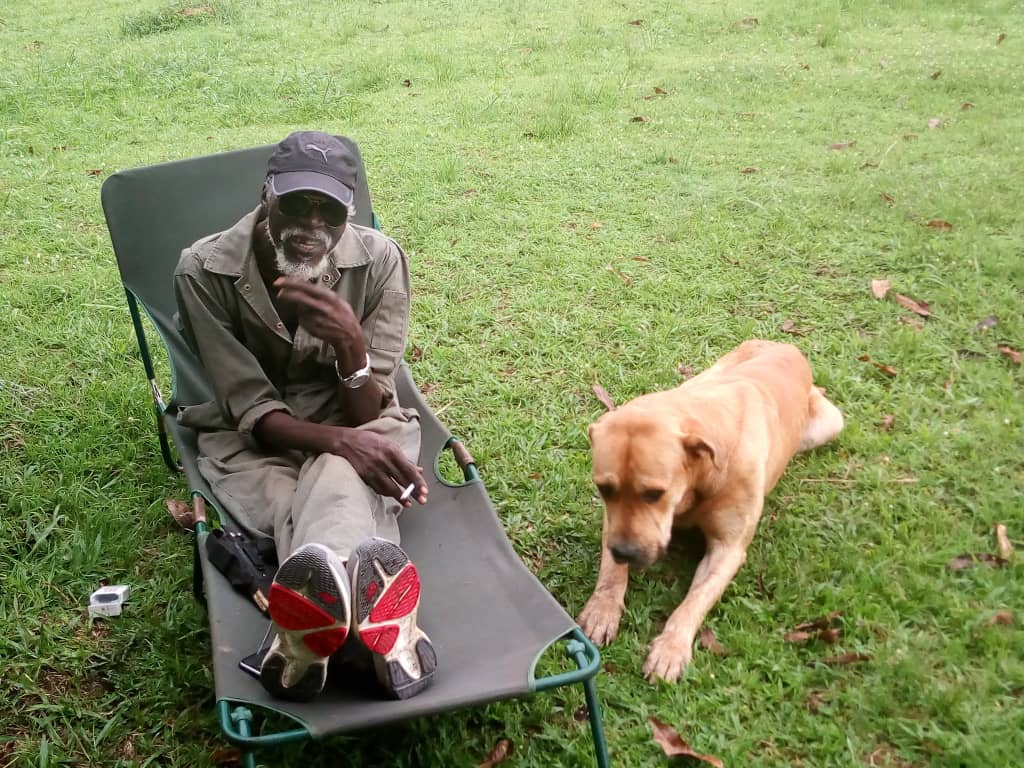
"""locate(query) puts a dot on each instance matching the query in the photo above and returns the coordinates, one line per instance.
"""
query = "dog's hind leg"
(825, 423)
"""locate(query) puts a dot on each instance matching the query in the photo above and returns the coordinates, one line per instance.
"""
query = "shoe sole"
(306, 597)
(386, 587)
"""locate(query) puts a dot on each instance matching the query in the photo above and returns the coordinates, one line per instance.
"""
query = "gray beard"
(301, 269)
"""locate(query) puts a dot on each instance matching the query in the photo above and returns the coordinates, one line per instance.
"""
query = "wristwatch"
(356, 379)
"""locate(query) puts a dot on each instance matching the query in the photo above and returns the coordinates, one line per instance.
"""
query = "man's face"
(304, 227)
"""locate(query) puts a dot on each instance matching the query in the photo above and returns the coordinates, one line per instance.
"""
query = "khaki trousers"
(300, 498)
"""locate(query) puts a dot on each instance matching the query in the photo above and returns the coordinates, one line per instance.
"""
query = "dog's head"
(645, 465)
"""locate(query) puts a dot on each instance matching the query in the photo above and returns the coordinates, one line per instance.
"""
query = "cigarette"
(407, 492)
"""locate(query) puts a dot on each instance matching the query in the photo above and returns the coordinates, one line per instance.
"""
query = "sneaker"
(309, 603)
(386, 589)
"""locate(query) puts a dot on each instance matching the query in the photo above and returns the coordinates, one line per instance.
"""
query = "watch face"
(356, 380)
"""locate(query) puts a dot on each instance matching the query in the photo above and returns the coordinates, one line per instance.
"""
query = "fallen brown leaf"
(1002, 36)
(987, 323)
(887, 199)
(887, 423)
(888, 370)
(921, 308)
(497, 755)
(750, 169)
(226, 756)
(879, 288)
(846, 658)
(660, 91)
(639, 119)
(181, 511)
(967, 560)
(197, 10)
(428, 387)
(1003, 542)
(415, 354)
(935, 122)
(914, 322)
(945, 226)
(643, 259)
(830, 636)
(620, 274)
(94, 172)
(602, 395)
(749, 22)
(595, 225)
(1002, 617)
(815, 700)
(841, 145)
(822, 622)
(1010, 352)
(709, 642)
(636, 23)
(966, 105)
(796, 637)
(684, 370)
(936, 74)
(672, 743)
(788, 326)
(805, 66)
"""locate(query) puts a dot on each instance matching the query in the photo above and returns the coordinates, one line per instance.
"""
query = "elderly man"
(300, 320)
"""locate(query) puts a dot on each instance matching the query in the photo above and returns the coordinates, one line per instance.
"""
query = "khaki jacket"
(254, 365)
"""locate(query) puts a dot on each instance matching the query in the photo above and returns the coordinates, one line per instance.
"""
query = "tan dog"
(703, 454)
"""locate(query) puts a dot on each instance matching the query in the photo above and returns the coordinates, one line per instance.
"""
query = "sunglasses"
(296, 205)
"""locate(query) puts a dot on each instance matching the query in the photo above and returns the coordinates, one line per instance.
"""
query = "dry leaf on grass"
(602, 394)
(841, 145)
(684, 370)
(181, 511)
(936, 74)
(226, 756)
(968, 560)
(846, 658)
(749, 22)
(987, 323)
(939, 224)
(1003, 542)
(1010, 352)
(750, 169)
(1002, 36)
(499, 754)
(888, 370)
(636, 23)
(672, 743)
(620, 274)
(887, 423)
(887, 199)
(709, 642)
(820, 628)
(965, 106)
(1002, 617)
(922, 308)
(788, 326)
(914, 322)
(415, 354)
(94, 172)
(935, 122)
(638, 119)
(879, 288)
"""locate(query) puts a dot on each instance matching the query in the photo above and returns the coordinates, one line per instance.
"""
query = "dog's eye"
(606, 490)
(652, 495)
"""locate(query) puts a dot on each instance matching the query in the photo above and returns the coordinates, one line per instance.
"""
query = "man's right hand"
(381, 464)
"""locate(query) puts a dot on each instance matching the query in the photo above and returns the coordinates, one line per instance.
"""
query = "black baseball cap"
(315, 162)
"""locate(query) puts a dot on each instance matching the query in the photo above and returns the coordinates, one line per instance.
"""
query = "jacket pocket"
(390, 323)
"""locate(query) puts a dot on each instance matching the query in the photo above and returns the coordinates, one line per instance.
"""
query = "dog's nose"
(627, 552)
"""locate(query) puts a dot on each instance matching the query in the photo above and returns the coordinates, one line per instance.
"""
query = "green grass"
(512, 171)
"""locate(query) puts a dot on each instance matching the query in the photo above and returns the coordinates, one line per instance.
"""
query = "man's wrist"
(349, 358)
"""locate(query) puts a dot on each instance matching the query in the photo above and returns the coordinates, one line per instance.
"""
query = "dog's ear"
(697, 446)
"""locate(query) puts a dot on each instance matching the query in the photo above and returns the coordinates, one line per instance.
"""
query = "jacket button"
(279, 326)
(326, 278)
(246, 287)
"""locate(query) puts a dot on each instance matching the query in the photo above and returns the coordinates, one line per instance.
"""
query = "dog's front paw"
(667, 659)
(599, 619)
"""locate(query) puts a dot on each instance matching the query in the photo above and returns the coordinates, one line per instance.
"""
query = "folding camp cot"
(488, 616)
